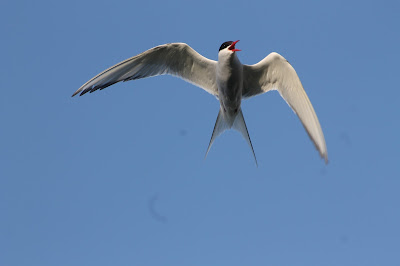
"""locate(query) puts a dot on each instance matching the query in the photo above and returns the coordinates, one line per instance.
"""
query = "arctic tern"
(227, 79)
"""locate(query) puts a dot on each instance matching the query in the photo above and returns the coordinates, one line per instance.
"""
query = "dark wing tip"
(325, 156)
(78, 91)
(94, 88)
(75, 93)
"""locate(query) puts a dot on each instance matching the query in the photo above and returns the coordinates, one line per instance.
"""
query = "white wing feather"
(177, 59)
(275, 73)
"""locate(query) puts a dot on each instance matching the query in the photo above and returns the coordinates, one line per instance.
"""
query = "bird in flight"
(227, 79)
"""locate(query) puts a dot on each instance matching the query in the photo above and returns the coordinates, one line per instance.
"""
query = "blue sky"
(118, 177)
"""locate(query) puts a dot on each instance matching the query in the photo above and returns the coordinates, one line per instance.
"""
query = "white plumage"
(227, 79)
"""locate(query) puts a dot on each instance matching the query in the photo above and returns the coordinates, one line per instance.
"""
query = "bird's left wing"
(177, 59)
(275, 73)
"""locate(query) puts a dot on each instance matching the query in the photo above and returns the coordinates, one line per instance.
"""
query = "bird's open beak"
(232, 47)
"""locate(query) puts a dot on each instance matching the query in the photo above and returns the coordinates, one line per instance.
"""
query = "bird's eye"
(225, 44)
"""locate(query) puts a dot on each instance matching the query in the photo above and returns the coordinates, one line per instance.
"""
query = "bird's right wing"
(177, 59)
(275, 73)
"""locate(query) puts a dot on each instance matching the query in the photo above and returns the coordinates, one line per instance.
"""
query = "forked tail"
(238, 124)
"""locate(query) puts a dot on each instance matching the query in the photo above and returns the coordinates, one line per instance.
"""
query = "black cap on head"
(225, 44)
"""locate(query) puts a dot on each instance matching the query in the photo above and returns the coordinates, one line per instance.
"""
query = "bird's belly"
(230, 95)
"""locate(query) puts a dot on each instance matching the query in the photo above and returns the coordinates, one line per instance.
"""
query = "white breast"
(229, 81)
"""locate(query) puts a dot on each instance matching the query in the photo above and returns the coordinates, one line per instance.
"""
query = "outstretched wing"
(177, 59)
(275, 73)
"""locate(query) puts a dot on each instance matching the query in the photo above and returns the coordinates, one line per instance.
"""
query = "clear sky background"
(118, 177)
